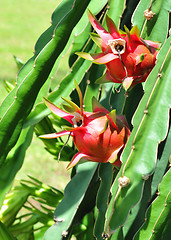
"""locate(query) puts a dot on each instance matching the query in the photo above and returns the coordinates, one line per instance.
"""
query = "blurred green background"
(21, 24)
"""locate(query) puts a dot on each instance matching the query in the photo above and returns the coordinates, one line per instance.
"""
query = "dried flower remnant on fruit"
(148, 14)
(117, 45)
(128, 58)
(99, 136)
(77, 120)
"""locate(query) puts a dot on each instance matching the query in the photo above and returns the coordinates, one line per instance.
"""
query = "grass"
(22, 22)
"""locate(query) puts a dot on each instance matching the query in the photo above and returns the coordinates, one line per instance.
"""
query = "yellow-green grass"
(22, 22)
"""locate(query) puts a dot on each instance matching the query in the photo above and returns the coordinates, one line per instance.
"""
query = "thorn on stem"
(148, 14)
(64, 233)
(133, 147)
(123, 181)
(88, 81)
(105, 236)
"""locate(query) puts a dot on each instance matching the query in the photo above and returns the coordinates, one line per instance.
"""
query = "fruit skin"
(99, 136)
(129, 59)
